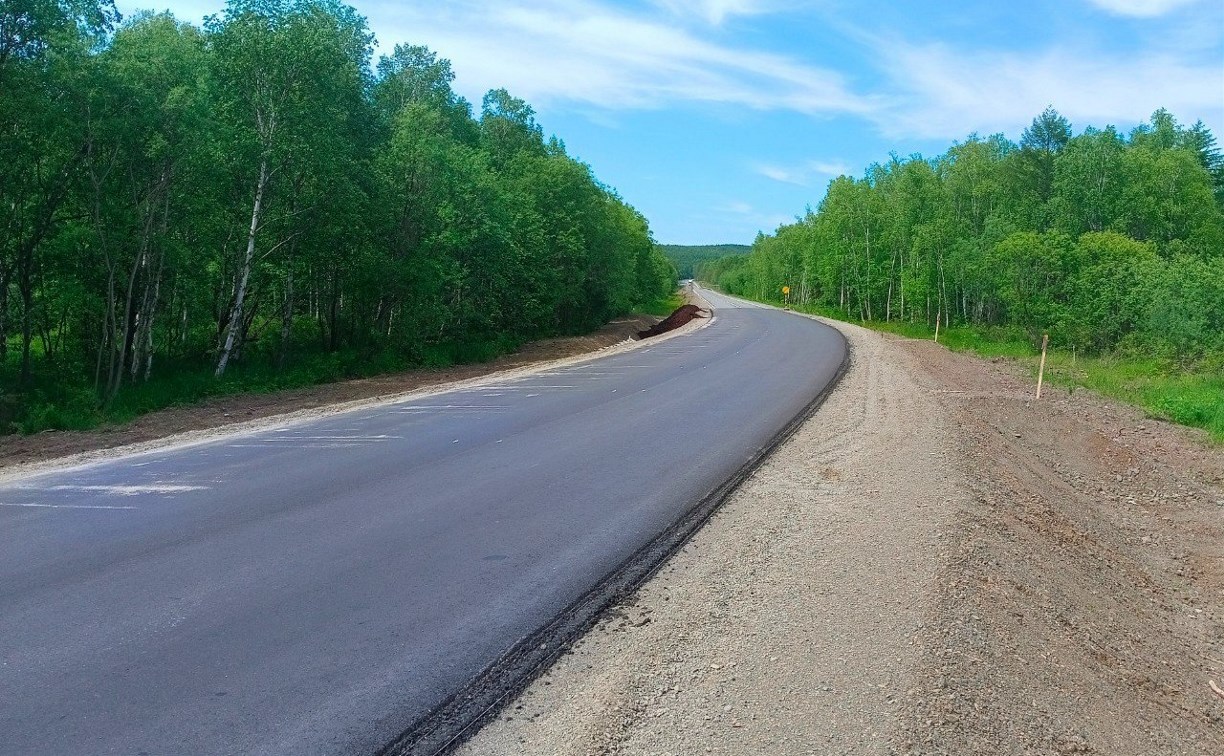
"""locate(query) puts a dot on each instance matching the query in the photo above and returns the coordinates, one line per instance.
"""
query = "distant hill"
(687, 256)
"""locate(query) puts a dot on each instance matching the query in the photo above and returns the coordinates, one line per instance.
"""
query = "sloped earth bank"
(935, 564)
(226, 411)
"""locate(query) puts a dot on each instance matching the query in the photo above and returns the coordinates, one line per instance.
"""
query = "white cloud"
(802, 174)
(594, 57)
(750, 215)
(948, 93)
(781, 174)
(715, 11)
(592, 54)
(1141, 8)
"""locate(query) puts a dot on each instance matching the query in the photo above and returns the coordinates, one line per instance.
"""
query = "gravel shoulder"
(787, 624)
(934, 563)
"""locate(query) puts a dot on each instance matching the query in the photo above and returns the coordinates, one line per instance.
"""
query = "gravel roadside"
(935, 564)
(788, 624)
(1081, 609)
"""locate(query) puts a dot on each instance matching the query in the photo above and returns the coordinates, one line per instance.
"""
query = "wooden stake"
(1045, 340)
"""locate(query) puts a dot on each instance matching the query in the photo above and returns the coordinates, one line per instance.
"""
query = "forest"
(686, 257)
(254, 203)
(1111, 243)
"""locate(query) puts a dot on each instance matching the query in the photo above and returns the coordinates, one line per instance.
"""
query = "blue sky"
(721, 118)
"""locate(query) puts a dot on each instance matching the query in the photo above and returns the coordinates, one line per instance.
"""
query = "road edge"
(456, 720)
(186, 439)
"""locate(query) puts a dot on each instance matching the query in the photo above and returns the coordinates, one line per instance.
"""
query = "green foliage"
(255, 199)
(687, 258)
(1112, 245)
(663, 306)
(1107, 243)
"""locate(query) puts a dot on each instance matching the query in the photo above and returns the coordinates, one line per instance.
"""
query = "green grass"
(56, 404)
(1188, 395)
(664, 306)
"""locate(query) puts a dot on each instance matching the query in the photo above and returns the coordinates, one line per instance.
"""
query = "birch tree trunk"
(235, 320)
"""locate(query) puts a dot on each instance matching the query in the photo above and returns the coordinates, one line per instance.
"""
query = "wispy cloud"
(593, 54)
(802, 174)
(1141, 8)
(947, 92)
(749, 214)
(716, 11)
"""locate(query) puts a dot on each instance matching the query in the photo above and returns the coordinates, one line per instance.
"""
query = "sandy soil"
(933, 564)
(225, 413)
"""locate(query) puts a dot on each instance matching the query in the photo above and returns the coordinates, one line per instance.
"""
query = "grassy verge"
(664, 306)
(55, 403)
(1192, 396)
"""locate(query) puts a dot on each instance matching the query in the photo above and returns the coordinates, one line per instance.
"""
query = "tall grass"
(663, 306)
(1191, 395)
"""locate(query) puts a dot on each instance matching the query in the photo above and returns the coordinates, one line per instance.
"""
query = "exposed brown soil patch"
(681, 316)
(1082, 608)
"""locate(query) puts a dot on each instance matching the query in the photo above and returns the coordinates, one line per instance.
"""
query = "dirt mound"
(682, 315)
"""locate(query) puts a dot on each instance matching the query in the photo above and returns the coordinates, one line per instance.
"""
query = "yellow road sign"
(786, 290)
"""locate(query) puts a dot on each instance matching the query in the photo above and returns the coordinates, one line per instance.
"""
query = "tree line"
(686, 257)
(1108, 241)
(257, 195)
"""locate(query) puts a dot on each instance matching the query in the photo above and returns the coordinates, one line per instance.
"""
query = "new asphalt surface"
(318, 587)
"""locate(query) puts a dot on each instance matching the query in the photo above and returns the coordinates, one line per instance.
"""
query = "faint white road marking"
(338, 445)
(124, 490)
(338, 438)
(62, 506)
(454, 406)
(527, 386)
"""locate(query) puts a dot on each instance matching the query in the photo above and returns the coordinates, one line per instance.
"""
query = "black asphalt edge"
(458, 718)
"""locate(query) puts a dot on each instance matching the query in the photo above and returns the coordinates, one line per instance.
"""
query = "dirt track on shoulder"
(935, 563)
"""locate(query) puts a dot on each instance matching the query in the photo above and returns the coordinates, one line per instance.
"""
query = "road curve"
(316, 588)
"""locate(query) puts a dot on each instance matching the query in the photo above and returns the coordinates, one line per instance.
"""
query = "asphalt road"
(316, 588)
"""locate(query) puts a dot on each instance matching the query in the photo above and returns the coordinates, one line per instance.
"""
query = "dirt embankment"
(683, 315)
(1081, 606)
(933, 564)
(217, 413)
